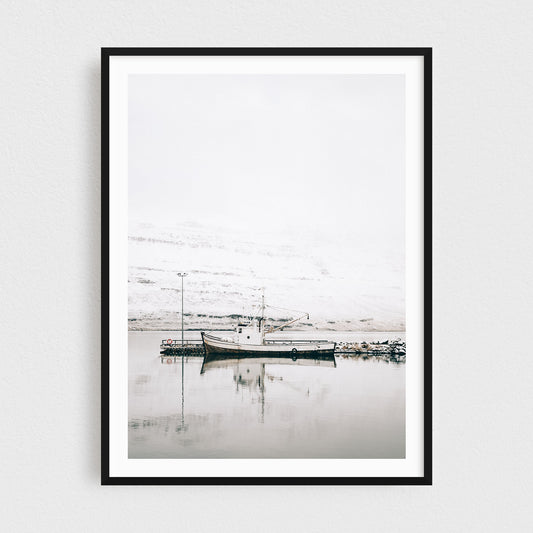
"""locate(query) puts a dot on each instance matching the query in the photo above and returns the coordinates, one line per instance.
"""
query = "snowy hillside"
(344, 284)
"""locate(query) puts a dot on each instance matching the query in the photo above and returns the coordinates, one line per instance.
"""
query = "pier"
(389, 349)
(178, 347)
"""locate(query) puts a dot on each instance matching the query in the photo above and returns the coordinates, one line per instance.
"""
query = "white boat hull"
(216, 345)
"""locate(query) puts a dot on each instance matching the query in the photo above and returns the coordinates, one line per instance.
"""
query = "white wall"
(50, 261)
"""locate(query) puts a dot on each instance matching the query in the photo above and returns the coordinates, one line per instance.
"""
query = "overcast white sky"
(322, 153)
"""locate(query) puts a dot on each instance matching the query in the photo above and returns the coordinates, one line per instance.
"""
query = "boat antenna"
(262, 304)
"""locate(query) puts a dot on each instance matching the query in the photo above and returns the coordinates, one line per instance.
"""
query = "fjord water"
(355, 409)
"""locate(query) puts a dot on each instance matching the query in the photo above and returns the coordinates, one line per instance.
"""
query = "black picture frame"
(426, 55)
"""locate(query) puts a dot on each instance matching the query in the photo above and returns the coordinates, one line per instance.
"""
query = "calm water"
(355, 409)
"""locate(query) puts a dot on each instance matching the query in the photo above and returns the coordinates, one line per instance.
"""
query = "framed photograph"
(266, 266)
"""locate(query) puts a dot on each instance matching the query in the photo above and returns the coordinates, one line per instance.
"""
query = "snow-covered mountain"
(344, 283)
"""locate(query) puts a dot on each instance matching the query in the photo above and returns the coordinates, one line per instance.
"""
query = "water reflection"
(250, 372)
(223, 406)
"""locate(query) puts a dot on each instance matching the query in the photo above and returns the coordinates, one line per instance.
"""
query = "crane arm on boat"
(271, 330)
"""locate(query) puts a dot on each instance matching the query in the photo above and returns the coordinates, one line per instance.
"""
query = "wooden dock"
(175, 347)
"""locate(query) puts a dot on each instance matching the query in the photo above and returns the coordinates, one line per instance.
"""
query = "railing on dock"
(177, 342)
(295, 341)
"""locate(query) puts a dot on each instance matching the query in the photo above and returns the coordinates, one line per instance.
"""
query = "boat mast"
(262, 323)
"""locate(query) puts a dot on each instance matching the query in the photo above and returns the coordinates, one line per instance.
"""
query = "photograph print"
(263, 241)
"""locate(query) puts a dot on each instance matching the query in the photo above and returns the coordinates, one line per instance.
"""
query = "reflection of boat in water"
(214, 360)
(249, 339)
(249, 370)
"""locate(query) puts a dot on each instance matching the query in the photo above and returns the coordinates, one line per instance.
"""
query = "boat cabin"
(251, 332)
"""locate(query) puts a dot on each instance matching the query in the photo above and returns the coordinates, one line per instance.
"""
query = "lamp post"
(182, 275)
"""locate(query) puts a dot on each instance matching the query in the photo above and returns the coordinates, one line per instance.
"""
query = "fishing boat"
(250, 340)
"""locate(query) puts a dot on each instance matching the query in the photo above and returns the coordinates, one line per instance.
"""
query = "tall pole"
(182, 393)
(182, 275)
(262, 323)
(182, 311)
